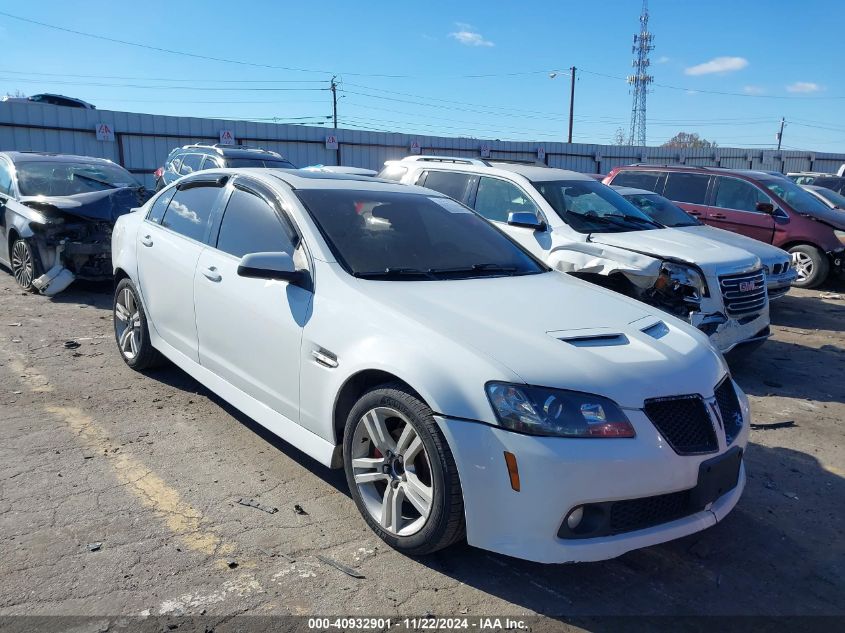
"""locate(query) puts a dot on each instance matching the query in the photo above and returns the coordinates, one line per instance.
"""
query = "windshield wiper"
(92, 179)
(394, 272)
(475, 268)
(636, 218)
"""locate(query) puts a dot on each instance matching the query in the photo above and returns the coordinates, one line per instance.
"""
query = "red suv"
(759, 204)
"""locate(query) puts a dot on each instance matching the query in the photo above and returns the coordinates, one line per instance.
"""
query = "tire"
(130, 329)
(410, 464)
(25, 264)
(811, 264)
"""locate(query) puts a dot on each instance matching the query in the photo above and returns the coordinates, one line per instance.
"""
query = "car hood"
(834, 217)
(767, 253)
(556, 331)
(679, 245)
(105, 206)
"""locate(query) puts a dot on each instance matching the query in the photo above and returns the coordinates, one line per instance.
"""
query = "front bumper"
(558, 474)
(733, 331)
(779, 285)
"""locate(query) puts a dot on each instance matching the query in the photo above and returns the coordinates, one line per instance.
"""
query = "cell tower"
(640, 79)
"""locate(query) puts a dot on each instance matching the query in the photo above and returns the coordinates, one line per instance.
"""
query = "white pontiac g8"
(464, 387)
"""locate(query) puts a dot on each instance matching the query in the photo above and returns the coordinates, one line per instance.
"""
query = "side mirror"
(766, 207)
(526, 219)
(269, 266)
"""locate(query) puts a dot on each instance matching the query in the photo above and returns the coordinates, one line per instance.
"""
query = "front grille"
(637, 514)
(744, 293)
(684, 423)
(728, 403)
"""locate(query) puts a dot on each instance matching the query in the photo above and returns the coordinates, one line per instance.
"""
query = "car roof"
(229, 151)
(23, 157)
(537, 173)
(301, 179)
(724, 171)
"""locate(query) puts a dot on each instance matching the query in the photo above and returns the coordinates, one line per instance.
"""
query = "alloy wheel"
(127, 323)
(803, 265)
(23, 267)
(392, 471)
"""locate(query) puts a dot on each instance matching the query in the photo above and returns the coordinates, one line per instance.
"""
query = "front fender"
(589, 257)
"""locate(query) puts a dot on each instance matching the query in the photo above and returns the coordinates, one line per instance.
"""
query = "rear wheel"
(810, 264)
(130, 329)
(401, 472)
(25, 265)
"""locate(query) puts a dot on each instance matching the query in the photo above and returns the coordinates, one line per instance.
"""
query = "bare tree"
(619, 137)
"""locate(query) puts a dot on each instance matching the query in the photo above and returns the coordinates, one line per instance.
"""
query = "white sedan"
(465, 388)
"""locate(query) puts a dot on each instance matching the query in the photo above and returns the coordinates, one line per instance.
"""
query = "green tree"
(689, 140)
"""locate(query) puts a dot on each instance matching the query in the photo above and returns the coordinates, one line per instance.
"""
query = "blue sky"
(478, 69)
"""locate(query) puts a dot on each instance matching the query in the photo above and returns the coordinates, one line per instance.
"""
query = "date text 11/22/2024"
(416, 624)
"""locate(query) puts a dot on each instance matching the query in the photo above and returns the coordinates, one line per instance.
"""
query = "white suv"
(580, 226)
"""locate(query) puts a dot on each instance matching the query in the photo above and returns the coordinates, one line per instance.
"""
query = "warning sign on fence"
(331, 141)
(105, 132)
(226, 137)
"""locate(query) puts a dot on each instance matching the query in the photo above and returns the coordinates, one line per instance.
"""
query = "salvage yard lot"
(120, 495)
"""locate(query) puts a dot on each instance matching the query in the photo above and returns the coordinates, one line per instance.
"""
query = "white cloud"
(753, 90)
(468, 36)
(804, 86)
(663, 59)
(718, 65)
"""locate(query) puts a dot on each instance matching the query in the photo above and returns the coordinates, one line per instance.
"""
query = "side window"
(450, 183)
(190, 163)
(5, 178)
(175, 164)
(496, 199)
(393, 172)
(732, 193)
(690, 188)
(160, 206)
(190, 209)
(648, 180)
(250, 225)
(210, 162)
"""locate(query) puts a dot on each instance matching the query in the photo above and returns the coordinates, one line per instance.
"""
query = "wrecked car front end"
(71, 235)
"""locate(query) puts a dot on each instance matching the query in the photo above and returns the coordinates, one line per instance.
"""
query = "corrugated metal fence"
(142, 142)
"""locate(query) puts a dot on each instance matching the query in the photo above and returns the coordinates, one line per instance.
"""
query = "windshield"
(661, 210)
(800, 200)
(591, 207)
(278, 163)
(61, 178)
(410, 236)
(836, 199)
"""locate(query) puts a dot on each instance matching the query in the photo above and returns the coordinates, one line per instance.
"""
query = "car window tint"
(159, 206)
(648, 180)
(250, 225)
(690, 188)
(5, 178)
(732, 193)
(496, 199)
(211, 162)
(449, 183)
(190, 163)
(393, 172)
(189, 211)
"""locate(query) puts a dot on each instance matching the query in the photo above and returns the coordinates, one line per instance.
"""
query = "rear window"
(648, 180)
(450, 183)
(691, 188)
(190, 210)
(269, 163)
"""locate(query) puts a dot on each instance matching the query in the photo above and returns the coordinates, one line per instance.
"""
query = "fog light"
(573, 519)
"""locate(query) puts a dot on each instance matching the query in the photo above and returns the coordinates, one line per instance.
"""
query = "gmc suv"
(758, 204)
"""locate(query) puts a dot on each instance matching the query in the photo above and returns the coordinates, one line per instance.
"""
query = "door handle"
(694, 212)
(719, 216)
(212, 274)
(147, 240)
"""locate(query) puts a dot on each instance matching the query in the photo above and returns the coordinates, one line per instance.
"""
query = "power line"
(184, 79)
(200, 88)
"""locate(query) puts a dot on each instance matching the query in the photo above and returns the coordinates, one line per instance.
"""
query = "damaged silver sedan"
(57, 212)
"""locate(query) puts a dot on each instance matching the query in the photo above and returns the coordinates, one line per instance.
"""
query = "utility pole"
(780, 134)
(571, 100)
(333, 88)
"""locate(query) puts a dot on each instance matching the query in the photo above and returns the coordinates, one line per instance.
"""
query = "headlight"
(840, 235)
(676, 275)
(555, 412)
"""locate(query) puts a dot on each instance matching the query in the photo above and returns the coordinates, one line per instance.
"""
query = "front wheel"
(401, 472)
(25, 265)
(130, 329)
(810, 264)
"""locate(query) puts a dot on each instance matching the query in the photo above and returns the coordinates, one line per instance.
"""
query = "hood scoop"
(657, 330)
(595, 340)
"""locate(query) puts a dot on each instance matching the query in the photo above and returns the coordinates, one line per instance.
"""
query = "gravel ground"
(120, 496)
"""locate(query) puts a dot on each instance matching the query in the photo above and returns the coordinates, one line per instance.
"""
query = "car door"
(5, 195)
(495, 199)
(170, 241)
(734, 208)
(688, 191)
(250, 330)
